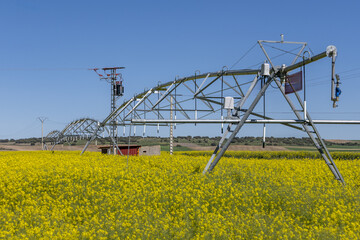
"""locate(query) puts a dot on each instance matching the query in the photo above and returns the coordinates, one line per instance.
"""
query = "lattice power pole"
(116, 91)
(42, 120)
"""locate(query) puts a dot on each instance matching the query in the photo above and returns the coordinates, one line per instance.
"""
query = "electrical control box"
(119, 88)
(265, 69)
(229, 103)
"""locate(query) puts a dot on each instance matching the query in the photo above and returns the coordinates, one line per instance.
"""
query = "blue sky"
(47, 47)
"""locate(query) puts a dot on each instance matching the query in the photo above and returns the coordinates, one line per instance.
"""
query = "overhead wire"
(282, 50)
(311, 82)
(42, 69)
(242, 57)
(341, 72)
(62, 123)
(26, 129)
(225, 89)
(282, 54)
(312, 53)
(274, 112)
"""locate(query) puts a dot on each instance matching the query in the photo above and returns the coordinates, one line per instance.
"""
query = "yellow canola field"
(63, 195)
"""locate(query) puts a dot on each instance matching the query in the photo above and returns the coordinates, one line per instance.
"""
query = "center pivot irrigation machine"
(223, 97)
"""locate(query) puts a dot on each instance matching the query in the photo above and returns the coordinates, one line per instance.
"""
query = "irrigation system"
(84, 128)
(227, 97)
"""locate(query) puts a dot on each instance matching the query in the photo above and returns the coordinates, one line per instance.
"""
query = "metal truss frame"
(155, 102)
(83, 128)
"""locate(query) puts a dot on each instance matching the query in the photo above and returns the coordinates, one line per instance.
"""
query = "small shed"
(150, 150)
(132, 149)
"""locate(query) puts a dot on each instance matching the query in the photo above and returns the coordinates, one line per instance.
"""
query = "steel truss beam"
(156, 101)
(236, 121)
(78, 129)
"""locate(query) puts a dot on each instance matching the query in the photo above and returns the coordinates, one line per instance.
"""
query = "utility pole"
(42, 120)
(116, 91)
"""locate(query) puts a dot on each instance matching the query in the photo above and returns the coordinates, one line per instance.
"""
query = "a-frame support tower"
(277, 75)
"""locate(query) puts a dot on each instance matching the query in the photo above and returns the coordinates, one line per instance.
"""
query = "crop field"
(280, 195)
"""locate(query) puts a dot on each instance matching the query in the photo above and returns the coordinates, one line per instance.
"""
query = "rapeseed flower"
(279, 195)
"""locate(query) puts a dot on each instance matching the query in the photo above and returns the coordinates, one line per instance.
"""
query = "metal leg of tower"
(241, 123)
(217, 148)
(52, 148)
(114, 142)
(87, 144)
(329, 161)
(325, 152)
(112, 132)
(331, 164)
(320, 146)
(228, 129)
(90, 140)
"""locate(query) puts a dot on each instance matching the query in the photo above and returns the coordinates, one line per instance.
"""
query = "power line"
(282, 54)
(282, 50)
(312, 112)
(42, 69)
(341, 72)
(243, 56)
(56, 122)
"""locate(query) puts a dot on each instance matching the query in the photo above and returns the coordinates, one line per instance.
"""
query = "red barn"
(132, 149)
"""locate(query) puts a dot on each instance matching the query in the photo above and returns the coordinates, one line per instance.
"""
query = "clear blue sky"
(46, 47)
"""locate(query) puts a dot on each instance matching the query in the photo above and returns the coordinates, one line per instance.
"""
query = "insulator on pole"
(222, 125)
(264, 133)
(171, 126)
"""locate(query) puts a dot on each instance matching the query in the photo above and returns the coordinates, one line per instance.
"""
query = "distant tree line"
(201, 140)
